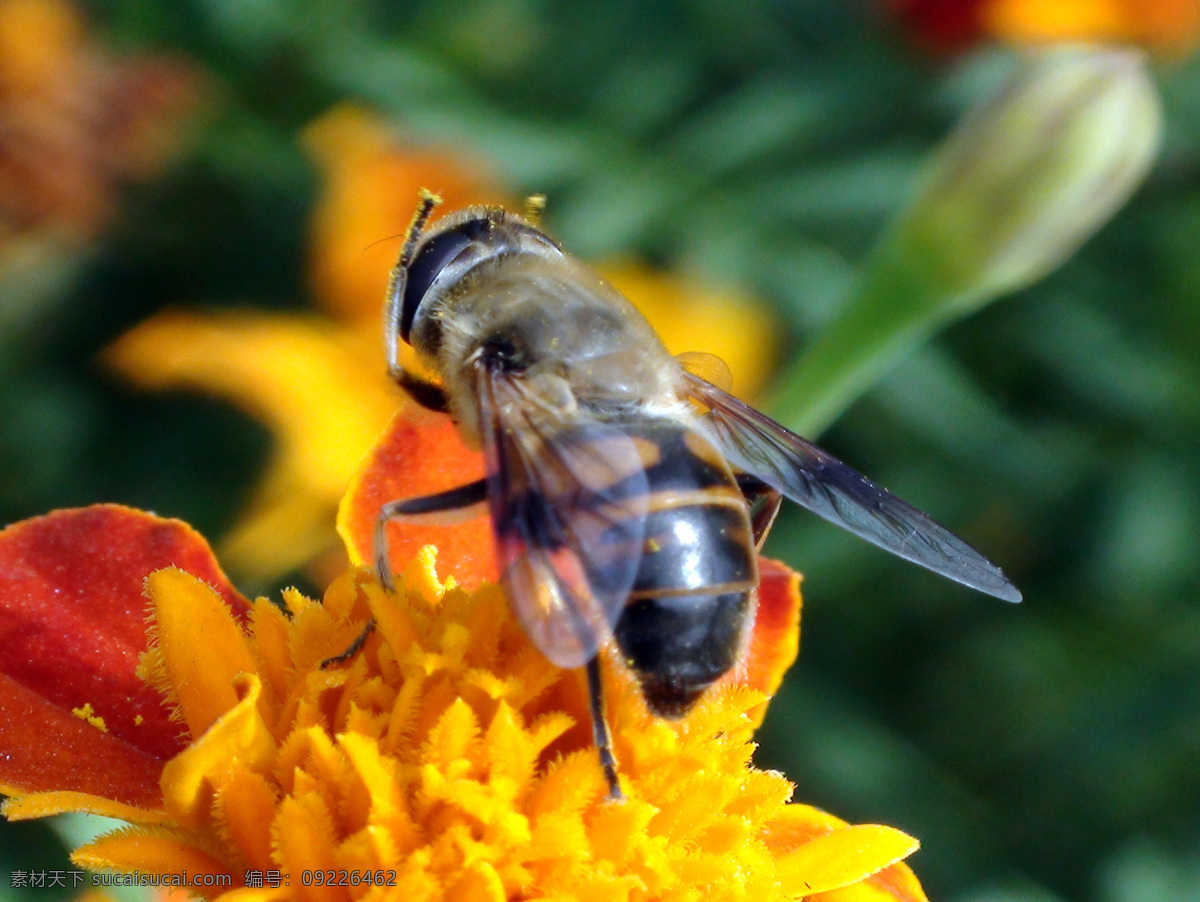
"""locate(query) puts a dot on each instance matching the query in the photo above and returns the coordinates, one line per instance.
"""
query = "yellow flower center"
(449, 759)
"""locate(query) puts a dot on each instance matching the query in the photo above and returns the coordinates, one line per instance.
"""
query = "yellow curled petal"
(191, 777)
(843, 857)
(152, 851)
(45, 804)
(201, 648)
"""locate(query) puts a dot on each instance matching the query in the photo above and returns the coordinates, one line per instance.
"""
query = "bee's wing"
(755, 443)
(568, 498)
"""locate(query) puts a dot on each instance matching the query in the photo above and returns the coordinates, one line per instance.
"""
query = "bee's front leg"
(442, 508)
(429, 395)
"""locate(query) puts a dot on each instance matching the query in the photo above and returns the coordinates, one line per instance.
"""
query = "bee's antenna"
(429, 200)
(534, 205)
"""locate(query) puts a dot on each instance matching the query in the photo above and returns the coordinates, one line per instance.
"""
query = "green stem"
(900, 303)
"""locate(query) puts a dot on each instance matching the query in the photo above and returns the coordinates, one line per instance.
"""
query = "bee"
(628, 494)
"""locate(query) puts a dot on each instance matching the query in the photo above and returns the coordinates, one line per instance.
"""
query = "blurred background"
(199, 202)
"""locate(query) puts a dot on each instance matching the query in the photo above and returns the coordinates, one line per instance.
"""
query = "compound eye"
(433, 257)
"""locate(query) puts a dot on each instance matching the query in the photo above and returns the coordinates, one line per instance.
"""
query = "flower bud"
(1013, 192)
(1033, 173)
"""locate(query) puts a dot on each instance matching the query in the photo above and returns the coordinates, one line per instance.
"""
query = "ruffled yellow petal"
(152, 851)
(197, 648)
(244, 809)
(451, 760)
(240, 735)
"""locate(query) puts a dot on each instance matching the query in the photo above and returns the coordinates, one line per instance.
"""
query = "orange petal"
(72, 623)
(1170, 26)
(775, 640)
(896, 883)
(246, 806)
(420, 453)
(796, 824)
(153, 851)
(321, 389)
(303, 841)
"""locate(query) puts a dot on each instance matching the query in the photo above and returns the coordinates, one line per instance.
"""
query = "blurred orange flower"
(319, 381)
(1171, 27)
(76, 122)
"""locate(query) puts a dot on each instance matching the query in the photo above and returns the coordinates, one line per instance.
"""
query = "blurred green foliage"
(1046, 751)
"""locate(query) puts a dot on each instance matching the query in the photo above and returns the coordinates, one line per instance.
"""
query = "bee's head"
(442, 257)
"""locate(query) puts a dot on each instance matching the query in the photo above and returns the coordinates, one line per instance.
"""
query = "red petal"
(44, 747)
(72, 623)
(420, 453)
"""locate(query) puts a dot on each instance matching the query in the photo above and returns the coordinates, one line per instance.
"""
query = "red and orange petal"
(420, 453)
(76, 717)
(371, 180)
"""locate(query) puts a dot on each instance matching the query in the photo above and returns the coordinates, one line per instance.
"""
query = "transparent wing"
(755, 443)
(568, 498)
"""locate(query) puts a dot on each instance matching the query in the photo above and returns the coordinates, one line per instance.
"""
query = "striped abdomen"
(691, 604)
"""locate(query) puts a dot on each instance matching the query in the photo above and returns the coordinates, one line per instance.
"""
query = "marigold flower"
(1168, 26)
(447, 760)
(320, 383)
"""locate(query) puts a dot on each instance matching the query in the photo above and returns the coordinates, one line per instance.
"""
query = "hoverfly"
(628, 496)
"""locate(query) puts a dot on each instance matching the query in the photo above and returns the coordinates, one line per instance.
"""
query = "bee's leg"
(600, 735)
(427, 394)
(449, 502)
(458, 499)
(353, 648)
(764, 504)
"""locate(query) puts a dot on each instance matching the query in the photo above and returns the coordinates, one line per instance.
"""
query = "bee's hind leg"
(440, 508)
(600, 734)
